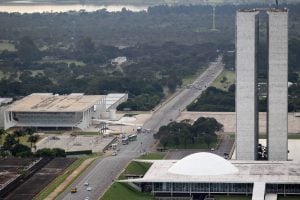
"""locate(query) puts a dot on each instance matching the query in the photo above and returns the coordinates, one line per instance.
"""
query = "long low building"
(207, 173)
(75, 110)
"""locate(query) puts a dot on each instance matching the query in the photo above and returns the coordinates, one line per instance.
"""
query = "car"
(86, 184)
(89, 189)
(114, 153)
(73, 190)
(212, 149)
(86, 198)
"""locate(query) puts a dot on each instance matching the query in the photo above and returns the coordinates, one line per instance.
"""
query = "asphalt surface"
(171, 110)
(103, 171)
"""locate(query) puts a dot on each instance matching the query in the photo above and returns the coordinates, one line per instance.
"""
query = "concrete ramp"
(259, 190)
(271, 196)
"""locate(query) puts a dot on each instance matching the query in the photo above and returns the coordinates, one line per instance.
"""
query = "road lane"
(102, 172)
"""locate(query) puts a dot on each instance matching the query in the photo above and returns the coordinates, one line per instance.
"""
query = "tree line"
(12, 146)
(187, 134)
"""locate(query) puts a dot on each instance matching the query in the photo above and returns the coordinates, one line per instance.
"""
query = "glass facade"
(239, 188)
(283, 188)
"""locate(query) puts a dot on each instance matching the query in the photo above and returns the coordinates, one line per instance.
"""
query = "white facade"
(246, 85)
(256, 178)
(277, 126)
(48, 110)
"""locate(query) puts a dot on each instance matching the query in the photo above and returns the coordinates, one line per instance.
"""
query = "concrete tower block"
(277, 126)
(246, 85)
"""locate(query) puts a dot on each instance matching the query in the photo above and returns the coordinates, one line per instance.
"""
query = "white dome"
(203, 164)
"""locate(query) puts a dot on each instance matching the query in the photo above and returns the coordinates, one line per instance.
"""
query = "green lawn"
(86, 133)
(224, 80)
(135, 168)
(153, 156)
(125, 192)
(199, 144)
(290, 136)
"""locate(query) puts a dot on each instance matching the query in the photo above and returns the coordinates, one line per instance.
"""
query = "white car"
(86, 198)
(86, 184)
(89, 189)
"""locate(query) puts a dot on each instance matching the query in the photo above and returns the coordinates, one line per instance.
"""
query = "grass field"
(86, 133)
(153, 156)
(125, 192)
(224, 80)
(290, 136)
(199, 144)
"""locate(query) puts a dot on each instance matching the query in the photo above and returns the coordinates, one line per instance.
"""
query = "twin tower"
(247, 33)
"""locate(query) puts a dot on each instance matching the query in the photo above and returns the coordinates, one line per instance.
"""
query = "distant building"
(119, 60)
(5, 101)
(48, 110)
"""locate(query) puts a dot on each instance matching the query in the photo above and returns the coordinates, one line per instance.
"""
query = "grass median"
(61, 178)
(126, 192)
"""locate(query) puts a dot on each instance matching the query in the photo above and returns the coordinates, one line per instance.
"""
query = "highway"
(103, 171)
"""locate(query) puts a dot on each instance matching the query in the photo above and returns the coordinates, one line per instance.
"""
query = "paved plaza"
(228, 119)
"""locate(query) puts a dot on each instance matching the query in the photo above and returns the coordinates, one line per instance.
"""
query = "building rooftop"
(47, 102)
(248, 171)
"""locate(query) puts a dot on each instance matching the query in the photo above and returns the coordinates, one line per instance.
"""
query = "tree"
(18, 134)
(30, 131)
(208, 139)
(165, 141)
(27, 50)
(2, 133)
(9, 142)
(32, 139)
(45, 152)
(20, 149)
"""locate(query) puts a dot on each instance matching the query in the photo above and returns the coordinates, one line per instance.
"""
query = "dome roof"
(203, 164)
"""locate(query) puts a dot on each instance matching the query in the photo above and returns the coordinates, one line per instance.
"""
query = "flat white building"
(48, 110)
(207, 173)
